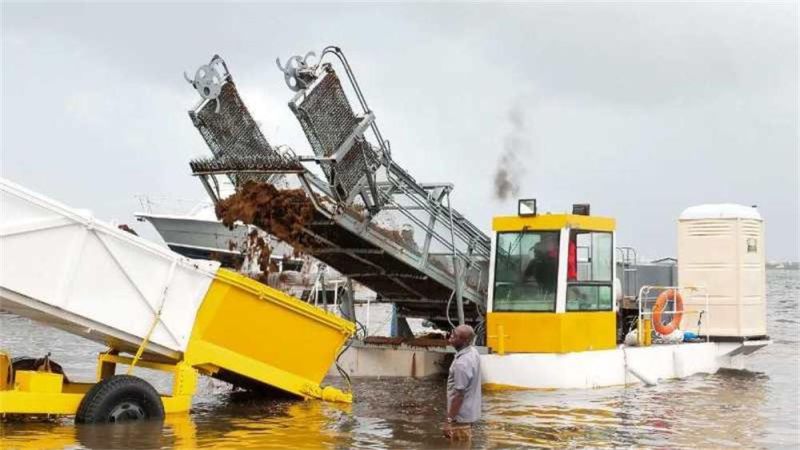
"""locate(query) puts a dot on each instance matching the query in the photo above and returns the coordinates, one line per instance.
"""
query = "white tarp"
(60, 266)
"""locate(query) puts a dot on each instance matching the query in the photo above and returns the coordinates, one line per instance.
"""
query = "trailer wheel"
(120, 398)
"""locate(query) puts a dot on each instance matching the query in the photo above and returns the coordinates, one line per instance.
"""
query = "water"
(754, 408)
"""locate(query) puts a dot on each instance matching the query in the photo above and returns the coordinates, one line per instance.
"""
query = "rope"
(146, 340)
(156, 319)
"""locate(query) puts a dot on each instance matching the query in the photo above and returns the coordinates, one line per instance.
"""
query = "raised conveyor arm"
(373, 222)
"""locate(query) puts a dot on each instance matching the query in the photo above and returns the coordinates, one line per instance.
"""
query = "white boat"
(199, 234)
(555, 308)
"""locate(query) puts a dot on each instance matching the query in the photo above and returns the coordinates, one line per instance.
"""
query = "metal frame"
(385, 189)
(49, 394)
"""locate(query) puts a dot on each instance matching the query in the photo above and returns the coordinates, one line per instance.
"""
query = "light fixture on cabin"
(526, 207)
(580, 209)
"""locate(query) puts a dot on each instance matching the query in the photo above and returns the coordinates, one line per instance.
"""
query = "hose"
(447, 309)
(339, 368)
(349, 343)
(358, 324)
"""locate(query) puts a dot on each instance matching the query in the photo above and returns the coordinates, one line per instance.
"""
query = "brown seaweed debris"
(280, 213)
(226, 259)
(426, 341)
(257, 248)
(125, 227)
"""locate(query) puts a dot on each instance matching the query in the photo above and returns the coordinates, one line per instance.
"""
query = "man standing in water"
(463, 386)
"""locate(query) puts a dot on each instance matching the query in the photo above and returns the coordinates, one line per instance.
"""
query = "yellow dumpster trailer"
(152, 308)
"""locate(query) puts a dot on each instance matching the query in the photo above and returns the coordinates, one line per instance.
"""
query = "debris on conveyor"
(432, 340)
(281, 213)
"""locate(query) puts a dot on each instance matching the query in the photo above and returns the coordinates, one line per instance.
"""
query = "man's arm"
(455, 405)
(452, 412)
(462, 378)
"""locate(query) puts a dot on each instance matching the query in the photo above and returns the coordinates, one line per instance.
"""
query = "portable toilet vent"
(721, 249)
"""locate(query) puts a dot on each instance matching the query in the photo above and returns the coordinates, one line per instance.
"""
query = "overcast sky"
(640, 110)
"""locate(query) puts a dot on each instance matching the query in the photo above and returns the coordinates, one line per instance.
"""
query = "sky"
(640, 110)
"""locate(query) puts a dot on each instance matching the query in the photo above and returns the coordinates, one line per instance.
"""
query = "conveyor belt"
(372, 222)
(382, 264)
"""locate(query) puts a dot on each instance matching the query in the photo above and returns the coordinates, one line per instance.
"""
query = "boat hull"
(196, 237)
(619, 366)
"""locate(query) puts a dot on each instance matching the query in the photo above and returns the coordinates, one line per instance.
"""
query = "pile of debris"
(281, 213)
(429, 340)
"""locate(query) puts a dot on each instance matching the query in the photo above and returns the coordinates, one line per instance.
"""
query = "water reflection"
(716, 410)
(731, 408)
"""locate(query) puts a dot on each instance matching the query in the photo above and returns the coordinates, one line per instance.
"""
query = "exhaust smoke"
(510, 169)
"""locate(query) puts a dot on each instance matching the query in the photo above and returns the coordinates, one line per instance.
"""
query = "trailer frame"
(42, 392)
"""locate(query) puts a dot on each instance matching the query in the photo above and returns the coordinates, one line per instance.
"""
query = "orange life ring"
(658, 308)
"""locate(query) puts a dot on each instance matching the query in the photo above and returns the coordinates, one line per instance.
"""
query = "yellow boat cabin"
(551, 282)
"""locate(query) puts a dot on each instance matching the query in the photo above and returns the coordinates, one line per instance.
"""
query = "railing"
(646, 300)
(628, 274)
(153, 204)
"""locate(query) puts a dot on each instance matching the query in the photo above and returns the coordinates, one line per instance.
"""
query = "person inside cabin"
(572, 258)
(543, 264)
(573, 292)
(463, 386)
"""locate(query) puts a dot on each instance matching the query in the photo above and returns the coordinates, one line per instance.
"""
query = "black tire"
(120, 398)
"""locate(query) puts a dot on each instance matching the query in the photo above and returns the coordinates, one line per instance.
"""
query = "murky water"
(755, 408)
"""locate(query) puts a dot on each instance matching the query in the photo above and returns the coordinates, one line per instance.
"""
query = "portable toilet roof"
(720, 211)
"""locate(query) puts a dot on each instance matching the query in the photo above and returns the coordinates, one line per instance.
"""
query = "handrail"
(644, 296)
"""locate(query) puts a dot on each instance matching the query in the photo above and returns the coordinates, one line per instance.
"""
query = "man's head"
(461, 336)
(550, 240)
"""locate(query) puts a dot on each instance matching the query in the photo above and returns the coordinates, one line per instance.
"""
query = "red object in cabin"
(572, 260)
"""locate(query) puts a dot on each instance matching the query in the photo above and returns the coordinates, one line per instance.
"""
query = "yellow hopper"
(261, 333)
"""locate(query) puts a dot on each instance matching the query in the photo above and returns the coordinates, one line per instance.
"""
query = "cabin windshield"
(526, 271)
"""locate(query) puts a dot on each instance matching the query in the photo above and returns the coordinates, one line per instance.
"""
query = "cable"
(343, 314)
(339, 368)
(447, 309)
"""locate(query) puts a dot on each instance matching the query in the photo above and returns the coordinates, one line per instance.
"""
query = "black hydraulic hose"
(339, 368)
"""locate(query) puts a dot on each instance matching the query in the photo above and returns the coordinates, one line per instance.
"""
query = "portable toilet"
(721, 251)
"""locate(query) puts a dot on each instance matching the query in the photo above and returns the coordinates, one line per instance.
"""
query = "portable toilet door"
(721, 250)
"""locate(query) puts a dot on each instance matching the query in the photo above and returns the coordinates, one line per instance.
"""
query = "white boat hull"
(206, 238)
(197, 237)
(619, 366)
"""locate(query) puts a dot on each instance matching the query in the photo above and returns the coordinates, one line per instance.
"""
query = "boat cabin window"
(589, 271)
(526, 271)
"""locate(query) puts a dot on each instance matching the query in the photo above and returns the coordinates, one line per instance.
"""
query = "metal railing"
(646, 300)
